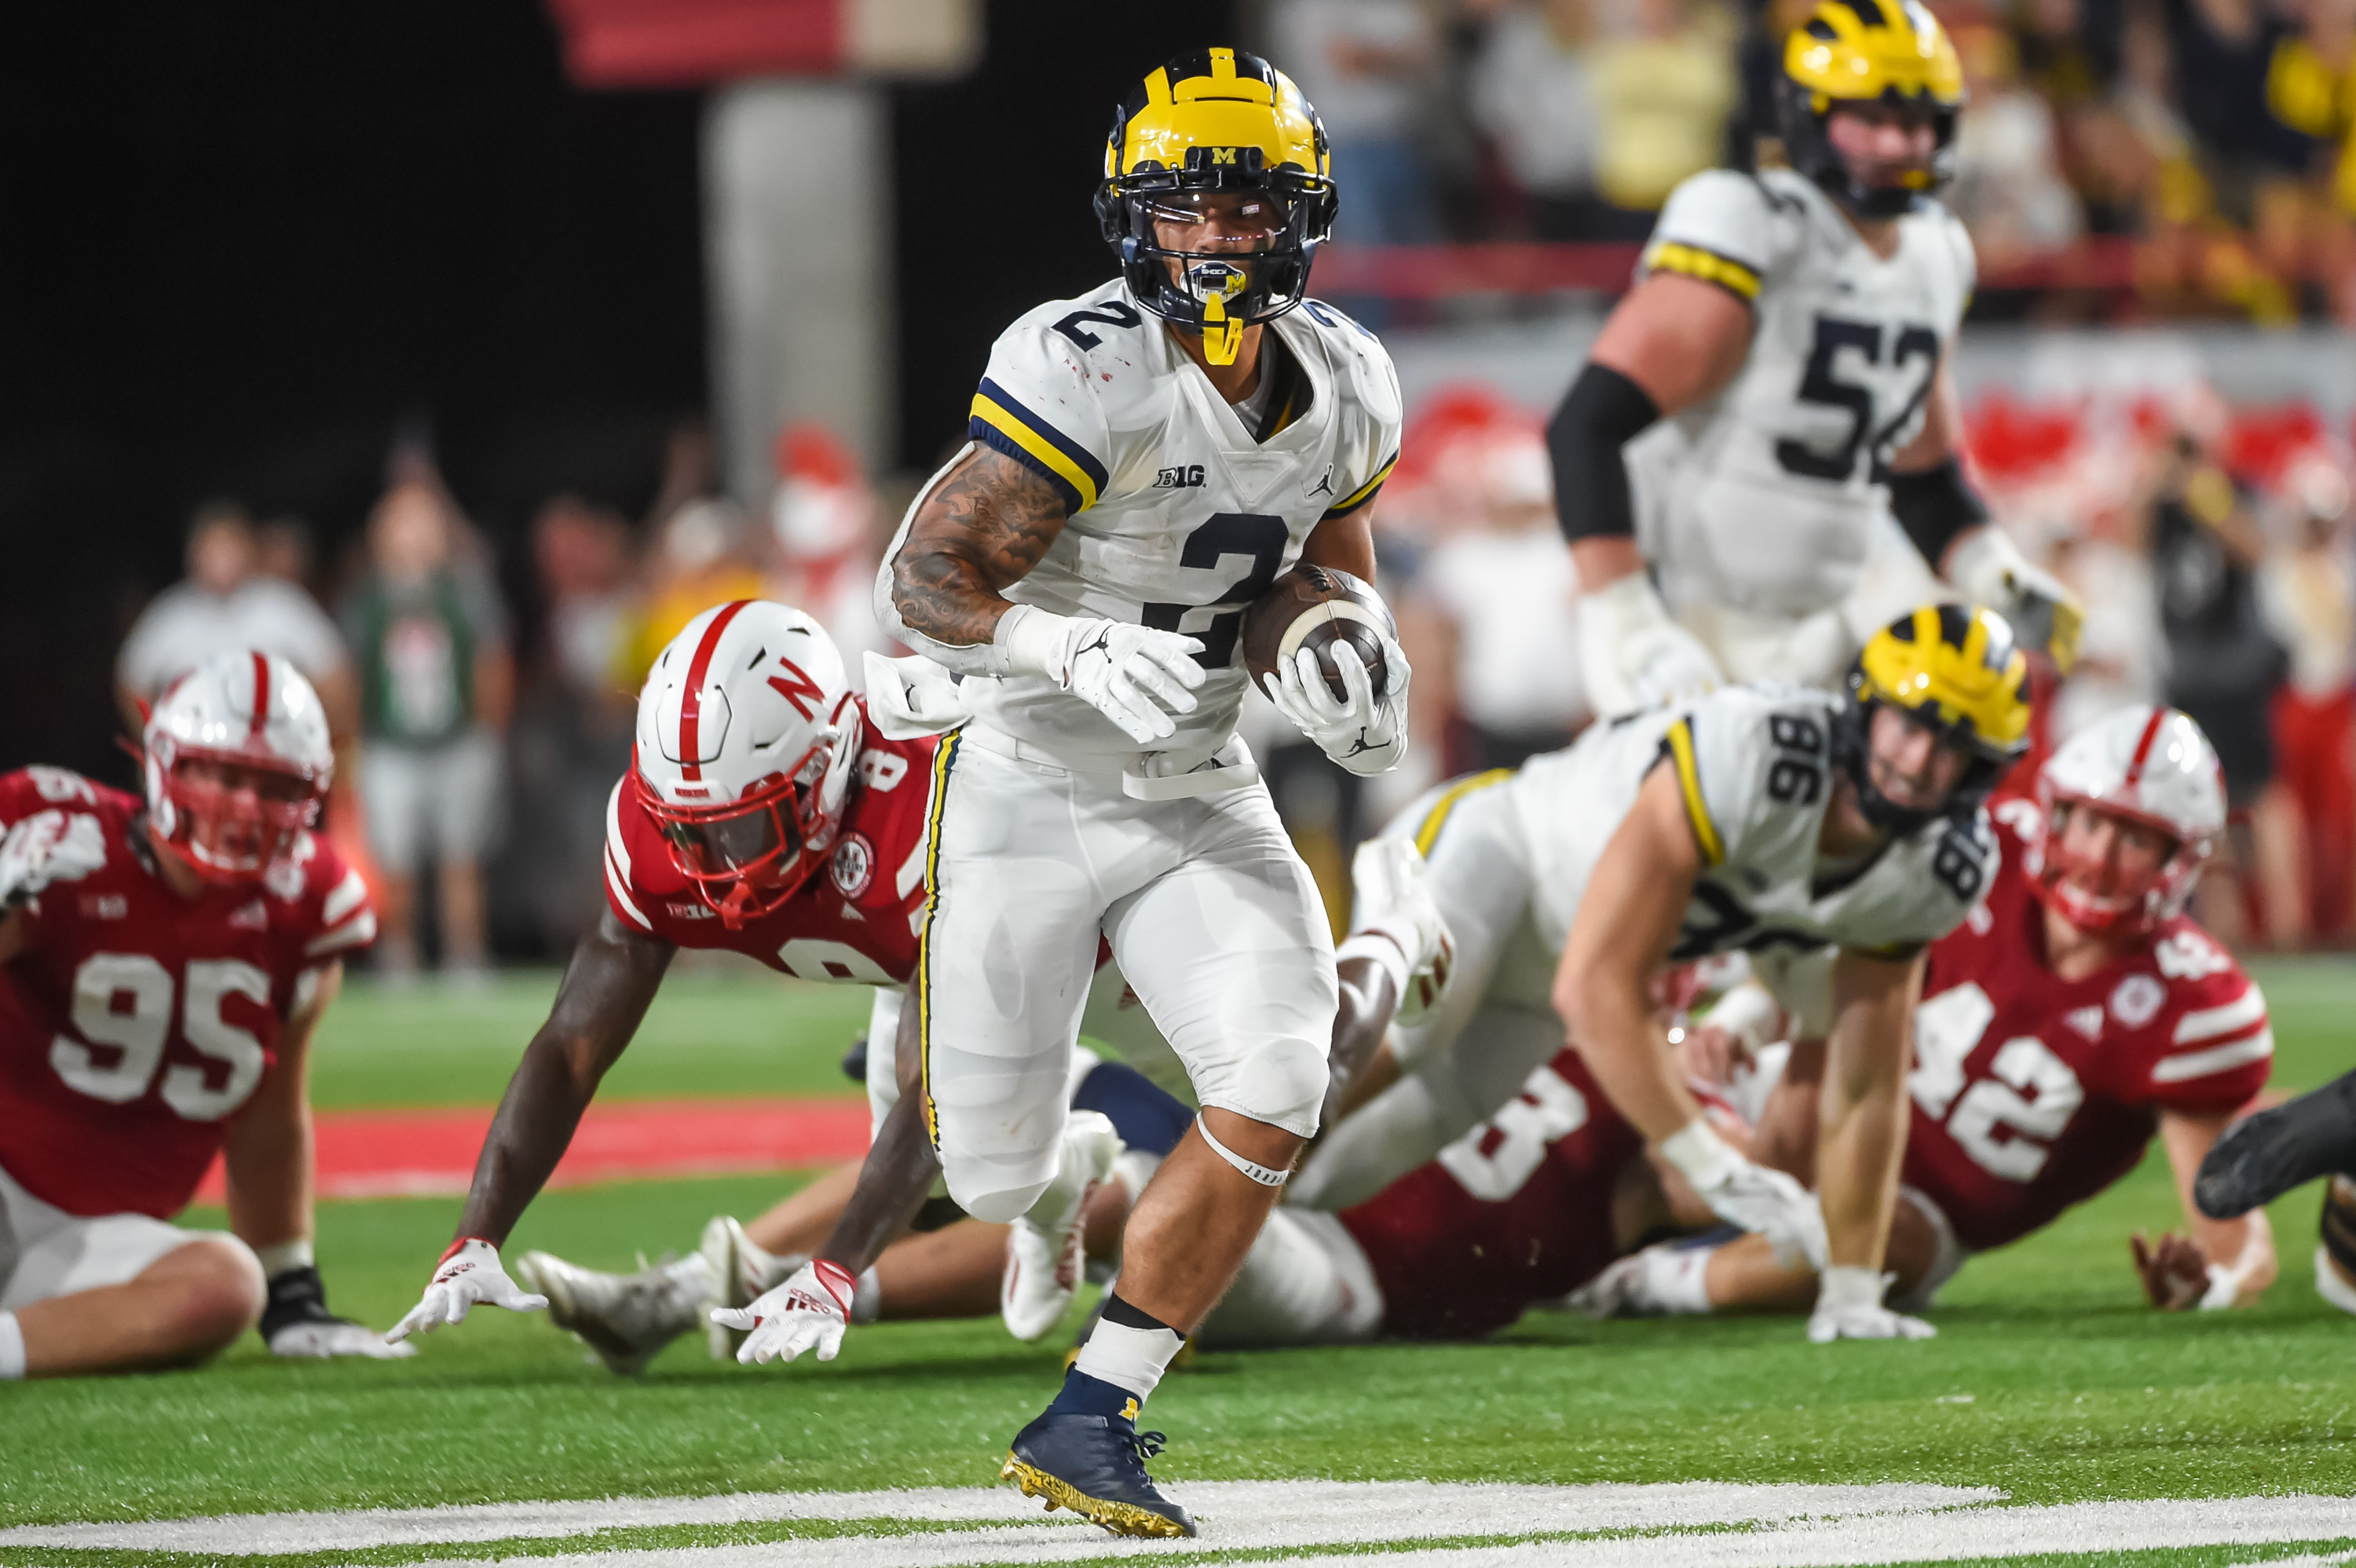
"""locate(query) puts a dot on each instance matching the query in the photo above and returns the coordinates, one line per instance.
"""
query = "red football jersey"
(858, 916)
(135, 1023)
(1516, 1211)
(2032, 1092)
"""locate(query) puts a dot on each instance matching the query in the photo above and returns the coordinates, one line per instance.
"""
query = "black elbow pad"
(1601, 413)
(1934, 506)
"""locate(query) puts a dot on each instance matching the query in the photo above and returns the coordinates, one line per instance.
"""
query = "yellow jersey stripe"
(1681, 752)
(1669, 256)
(1364, 492)
(997, 420)
(1427, 832)
(943, 757)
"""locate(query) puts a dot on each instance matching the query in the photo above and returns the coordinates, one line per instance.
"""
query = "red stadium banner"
(696, 43)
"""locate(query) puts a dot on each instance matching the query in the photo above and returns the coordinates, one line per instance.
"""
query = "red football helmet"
(2147, 765)
(237, 763)
(747, 735)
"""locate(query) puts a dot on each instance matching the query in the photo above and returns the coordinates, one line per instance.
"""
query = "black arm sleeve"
(1599, 415)
(1934, 506)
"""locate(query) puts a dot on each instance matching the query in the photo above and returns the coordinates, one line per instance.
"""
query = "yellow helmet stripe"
(1705, 831)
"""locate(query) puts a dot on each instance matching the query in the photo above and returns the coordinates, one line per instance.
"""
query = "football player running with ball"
(163, 964)
(1780, 380)
(1145, 460)
(1767, 820)
(2076, 1015)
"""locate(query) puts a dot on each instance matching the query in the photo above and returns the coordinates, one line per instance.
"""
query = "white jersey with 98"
(1178, 516)
(1763, 498)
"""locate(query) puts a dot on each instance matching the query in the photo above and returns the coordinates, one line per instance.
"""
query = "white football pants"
(1306, 1281)
(1212, 918)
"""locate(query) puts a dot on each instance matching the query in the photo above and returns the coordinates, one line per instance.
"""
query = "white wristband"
(1749, 1012)
(1382, 949)
(1701, 1157)
(1035, 640)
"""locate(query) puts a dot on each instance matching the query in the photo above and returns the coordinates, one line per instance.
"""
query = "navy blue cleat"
(1095, 1466)
(2264, 1155)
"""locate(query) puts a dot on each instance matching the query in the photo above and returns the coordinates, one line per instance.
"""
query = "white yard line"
(1238, 1513)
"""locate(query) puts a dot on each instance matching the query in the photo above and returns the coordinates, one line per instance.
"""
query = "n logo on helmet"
(801, 690)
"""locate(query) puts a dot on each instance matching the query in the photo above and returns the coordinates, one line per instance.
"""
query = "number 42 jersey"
(1182, 509)
(1762, 497)
(2032, 1092)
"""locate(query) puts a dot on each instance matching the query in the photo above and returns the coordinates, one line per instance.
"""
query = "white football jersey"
(1762, 497)
(1178, 517)
(1754, 763)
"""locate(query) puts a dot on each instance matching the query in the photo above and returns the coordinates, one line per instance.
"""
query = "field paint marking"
(1240, 1513)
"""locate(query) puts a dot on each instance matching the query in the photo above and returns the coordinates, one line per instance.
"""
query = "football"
(1314, 607)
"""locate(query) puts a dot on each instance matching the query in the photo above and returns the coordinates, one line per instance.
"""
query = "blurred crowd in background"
(483, 705)
(2177, 157)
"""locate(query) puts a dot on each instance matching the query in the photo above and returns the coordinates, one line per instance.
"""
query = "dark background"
(241, 246)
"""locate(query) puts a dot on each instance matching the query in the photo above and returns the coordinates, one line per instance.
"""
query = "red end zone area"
(378, 1153)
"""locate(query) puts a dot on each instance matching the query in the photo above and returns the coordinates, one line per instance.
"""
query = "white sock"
(1673, 1280)
(11, 1347)
(1134, 1358)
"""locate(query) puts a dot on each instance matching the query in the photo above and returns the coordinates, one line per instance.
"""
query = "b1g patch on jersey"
(2137, 1000)
(853, 866)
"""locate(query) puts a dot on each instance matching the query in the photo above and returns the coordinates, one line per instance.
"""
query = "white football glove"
(1848, 1306)
(469, 1273)
(338, 1337)
(1633, 654)
(49, 847)
(1134, 676)
(1393, 905)
(2043, 614)
(1743, 1193)
(1365, 733)
(808, 1312)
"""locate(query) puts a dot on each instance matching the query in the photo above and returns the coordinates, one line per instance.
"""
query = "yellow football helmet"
(1957, 671)
(1217, 129)
(1856, 51)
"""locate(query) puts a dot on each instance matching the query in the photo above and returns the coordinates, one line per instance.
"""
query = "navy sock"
(1083, 1395)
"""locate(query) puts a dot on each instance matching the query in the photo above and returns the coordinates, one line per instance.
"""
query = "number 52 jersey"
(1182, 509)
(1762, 498)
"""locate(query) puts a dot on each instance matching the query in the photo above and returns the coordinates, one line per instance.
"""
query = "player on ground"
(2265, 1155)
(2075, 1016)
(1771, 820)
(162, 966)
(1784, 355)
(1146, 459)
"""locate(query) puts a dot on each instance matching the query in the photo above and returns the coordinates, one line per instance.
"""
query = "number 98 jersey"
(1182, 509)
(1761, 498)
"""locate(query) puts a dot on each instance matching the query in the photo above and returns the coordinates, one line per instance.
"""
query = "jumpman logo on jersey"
(1324, 486)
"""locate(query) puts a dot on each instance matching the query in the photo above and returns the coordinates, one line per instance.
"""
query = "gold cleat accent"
(1120, 1518)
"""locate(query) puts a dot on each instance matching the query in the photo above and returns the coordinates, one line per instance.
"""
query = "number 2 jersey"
(1179, 514)
(1763, 499)
(2031, 1093)
(858, 916)
(135, 1023)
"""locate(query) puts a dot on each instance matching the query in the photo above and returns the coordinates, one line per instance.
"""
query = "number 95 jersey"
(1182, 509)
(1761, 498)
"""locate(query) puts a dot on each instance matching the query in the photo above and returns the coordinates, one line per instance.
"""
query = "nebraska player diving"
(162, 966)
(2074, 1016)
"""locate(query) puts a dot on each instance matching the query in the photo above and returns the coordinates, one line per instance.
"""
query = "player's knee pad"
(1282, 1083)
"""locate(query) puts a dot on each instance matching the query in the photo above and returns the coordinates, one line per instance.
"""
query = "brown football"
(1314, 607)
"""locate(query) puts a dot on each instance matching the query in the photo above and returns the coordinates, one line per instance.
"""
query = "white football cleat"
(627, 1318)
(740, 1271)
(1044, 1247)
(1386, 878)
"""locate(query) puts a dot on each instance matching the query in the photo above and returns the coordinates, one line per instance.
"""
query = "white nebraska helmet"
(747, 736)
(236, 761)
(2151, 765)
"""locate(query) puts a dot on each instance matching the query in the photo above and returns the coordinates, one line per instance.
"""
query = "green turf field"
(2050, 1379)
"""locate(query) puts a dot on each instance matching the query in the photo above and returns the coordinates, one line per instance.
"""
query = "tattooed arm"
(982, 526)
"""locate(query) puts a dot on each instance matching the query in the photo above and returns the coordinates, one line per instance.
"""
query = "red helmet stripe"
(261, 694)
(2143, 748)
(691, 702)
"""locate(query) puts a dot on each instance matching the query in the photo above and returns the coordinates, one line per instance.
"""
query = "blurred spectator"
(701, 558)
(2306, 589)
(583, 556)
(1366, 65)
(431, 637)
(823, 552)
(1488, 624)
(1662, 92)
(283, 549)
(2009, 189)
(228, 602)
(1534, 94)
